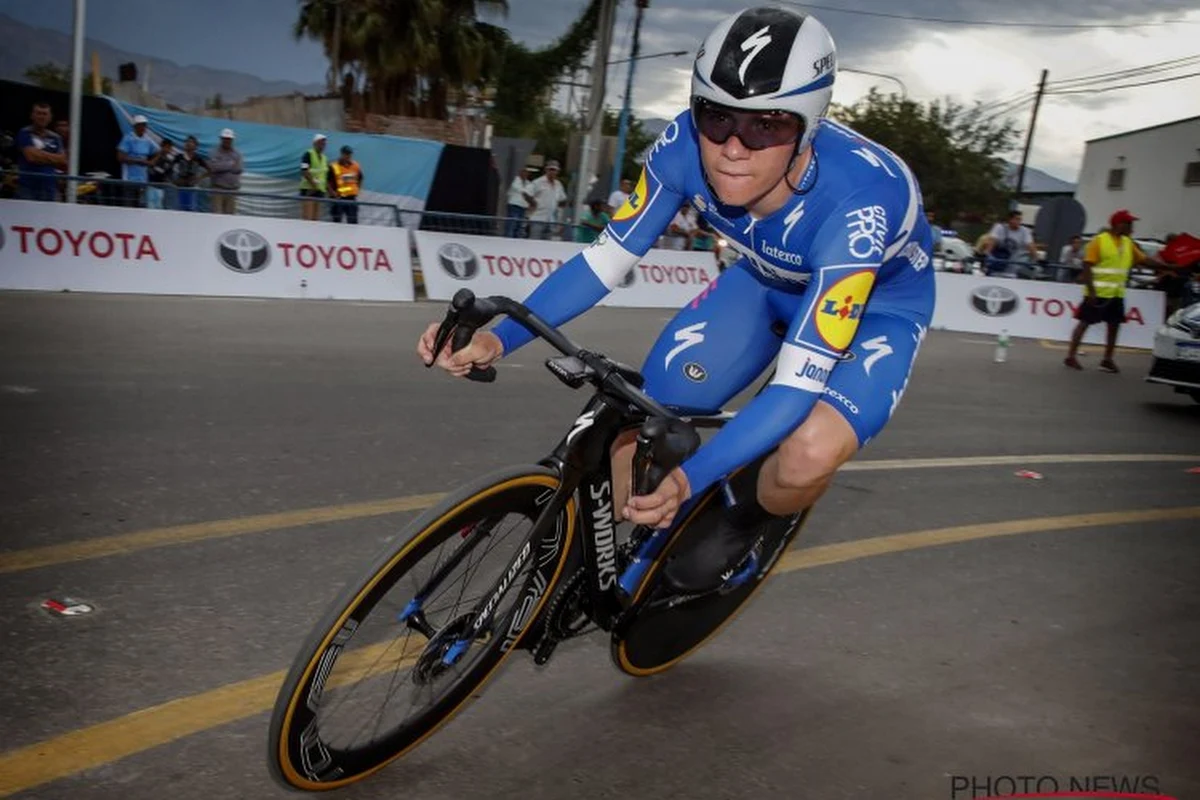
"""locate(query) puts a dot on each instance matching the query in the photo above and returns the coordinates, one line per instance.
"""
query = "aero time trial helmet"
(768, 59)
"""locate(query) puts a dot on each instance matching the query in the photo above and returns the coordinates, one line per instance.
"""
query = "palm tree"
(406, 56)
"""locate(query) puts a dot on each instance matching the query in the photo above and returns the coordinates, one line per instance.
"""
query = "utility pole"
(595, 116)
(623, 129)
(1029, 135)
(336, 77)
(76, 114)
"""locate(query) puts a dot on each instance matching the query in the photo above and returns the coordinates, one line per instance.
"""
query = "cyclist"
(834, 245)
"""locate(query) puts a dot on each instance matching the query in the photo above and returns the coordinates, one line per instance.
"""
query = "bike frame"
(581, 460)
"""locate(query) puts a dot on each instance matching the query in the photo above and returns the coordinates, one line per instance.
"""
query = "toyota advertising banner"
(1036, 309)
(56, 246)
(489, 265)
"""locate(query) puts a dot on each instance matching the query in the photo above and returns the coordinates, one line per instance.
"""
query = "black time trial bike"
(519, 560)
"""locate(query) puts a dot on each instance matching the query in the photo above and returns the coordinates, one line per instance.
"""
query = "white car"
(1177, 352)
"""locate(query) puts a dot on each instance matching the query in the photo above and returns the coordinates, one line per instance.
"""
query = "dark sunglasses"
(755, 129)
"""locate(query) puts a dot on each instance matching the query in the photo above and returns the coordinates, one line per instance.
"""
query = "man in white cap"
(549, 196)
(225, 167)
(314, 175)
(136, 152)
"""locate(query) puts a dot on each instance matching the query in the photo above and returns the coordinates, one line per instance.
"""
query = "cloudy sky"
(967, 62)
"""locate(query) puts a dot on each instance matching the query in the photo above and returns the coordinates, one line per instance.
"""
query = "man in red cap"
(1106, 264)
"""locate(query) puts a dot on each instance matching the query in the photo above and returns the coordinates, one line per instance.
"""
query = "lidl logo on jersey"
(841, 307)
(636, 201)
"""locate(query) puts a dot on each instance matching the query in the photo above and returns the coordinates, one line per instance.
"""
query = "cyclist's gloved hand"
(658, 508)
(485, 349)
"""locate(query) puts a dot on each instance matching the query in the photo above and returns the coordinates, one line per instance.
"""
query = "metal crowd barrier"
(96, 190)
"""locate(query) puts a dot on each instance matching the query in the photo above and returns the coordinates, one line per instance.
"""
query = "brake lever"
(443, 335)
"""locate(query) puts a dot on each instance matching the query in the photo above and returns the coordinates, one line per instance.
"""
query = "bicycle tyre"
(294, 735)
(653, 639)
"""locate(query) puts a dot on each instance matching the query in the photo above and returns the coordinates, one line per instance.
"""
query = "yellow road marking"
(110, 741)
(31, 558)
(1085, 349)
(121, 544)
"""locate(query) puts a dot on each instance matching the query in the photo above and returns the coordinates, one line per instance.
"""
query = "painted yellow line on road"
(125, 543)
(1086, 349)
(119, 544)
(110, 741)
(882, 545)
(1001, 461)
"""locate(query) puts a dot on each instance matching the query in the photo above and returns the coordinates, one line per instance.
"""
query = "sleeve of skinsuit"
(851, 242)
(591, 274)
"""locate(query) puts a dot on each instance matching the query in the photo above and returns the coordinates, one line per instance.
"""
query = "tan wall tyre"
(384, 668)
(665, 629)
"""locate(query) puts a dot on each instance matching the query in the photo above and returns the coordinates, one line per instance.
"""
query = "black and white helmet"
(769, 58)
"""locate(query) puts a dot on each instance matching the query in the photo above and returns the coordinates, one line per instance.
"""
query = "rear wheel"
(663, 628)
(399, 653)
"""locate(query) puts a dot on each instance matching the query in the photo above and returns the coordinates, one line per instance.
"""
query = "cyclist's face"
(743, 177)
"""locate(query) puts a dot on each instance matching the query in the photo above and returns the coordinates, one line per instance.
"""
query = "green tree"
(526, 78)
(953, 150)
(636, 140)
(58, 78)
(409, 57)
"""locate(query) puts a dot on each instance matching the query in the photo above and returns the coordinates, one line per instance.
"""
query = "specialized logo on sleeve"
(841, 307)
(635, 202)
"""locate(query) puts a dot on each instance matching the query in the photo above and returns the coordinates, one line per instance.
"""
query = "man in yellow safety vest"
(314, 171)
(345, 181)
(1106, 264)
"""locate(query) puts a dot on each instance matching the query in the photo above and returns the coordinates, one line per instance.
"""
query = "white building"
(1153, 172)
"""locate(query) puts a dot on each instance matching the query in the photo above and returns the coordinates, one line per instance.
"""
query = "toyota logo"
(459, 261)
(994, 301)
(243, 251)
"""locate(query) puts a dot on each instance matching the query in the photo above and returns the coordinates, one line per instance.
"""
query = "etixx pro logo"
(840, 309)
(243, 251)
(458, 261)
(994, 301)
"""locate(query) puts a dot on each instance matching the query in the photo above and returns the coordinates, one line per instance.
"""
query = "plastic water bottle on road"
(1002, 347)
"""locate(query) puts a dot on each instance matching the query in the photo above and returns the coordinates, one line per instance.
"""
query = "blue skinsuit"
(845, 265)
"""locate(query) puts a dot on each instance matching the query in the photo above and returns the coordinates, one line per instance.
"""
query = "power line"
(1131, 72)
(1126, 86)
(993, 23)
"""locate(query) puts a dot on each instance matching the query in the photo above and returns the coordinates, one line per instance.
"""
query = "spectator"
(548, 196)
(705, 237)
(1070, 260)
(591, 222)
(136, 152)
(1106, 263)
(345, 182)
(1004, 244)
(190, 169)
(314, 178)
(936, 230)
(618, 198)
(40, 154)
(681, 230)
(520, 202)
(160, 193)
(225, 167)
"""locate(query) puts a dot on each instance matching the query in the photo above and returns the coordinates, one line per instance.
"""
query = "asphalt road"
(142, 441)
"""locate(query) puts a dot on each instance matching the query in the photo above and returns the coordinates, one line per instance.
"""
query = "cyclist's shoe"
(705, 564)
(708, 558)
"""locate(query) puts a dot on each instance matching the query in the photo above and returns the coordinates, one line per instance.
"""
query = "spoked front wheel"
(405, 648)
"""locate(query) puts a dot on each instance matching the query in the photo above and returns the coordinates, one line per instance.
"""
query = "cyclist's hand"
(485, 349)
(658, 508)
